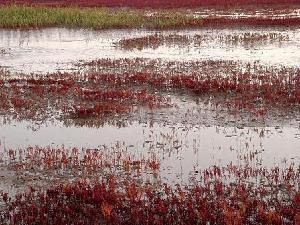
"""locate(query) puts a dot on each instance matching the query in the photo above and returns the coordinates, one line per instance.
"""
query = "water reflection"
(180, 148)
(53, 49)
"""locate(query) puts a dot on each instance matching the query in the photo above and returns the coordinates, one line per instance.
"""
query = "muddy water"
(53, 49)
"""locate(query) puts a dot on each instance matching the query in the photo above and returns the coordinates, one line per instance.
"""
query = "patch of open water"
(52, 49)
(181, 149)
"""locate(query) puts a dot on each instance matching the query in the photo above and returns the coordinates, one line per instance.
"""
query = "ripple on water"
(52, 49)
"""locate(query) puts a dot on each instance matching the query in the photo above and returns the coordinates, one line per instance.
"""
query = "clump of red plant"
(258, 92)
(65, 163)
(251, 21)
(68, 94)
(153, 41)
(271, 196)
(253, 38)
(253, 88)
(151, 3)
(156, 40)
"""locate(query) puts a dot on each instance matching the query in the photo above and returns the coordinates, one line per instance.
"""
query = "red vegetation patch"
(78, 162)
(222, 197)
(99, 109)
(156, 40)
(237, 90)
(153, 41)
(256, 90)
(149, 3)
(69, 95)
(251, 21)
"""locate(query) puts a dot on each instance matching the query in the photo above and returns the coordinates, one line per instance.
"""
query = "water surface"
(52, 49)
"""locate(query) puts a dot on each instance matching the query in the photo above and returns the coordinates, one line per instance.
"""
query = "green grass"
(99, 18)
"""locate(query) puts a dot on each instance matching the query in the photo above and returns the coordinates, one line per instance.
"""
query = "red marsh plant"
(151, 3)
(242, 193)
(253, 39)
(153, 41)
(160, 66)
(251, 21)
(253, 88)
(65, 163)
(67, 94)
(276, 89)
(156, 40)
(223, 196)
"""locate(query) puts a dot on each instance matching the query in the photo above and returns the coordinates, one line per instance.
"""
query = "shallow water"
(181, 149)
(194, 139)
(266, 12)
(53, 49)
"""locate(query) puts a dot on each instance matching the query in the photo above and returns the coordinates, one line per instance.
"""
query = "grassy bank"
(16, 16)
(99, 18)
(150, 3)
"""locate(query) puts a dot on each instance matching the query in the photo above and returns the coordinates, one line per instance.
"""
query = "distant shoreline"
(24, 17)
(150, 3)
